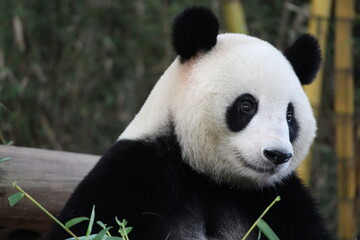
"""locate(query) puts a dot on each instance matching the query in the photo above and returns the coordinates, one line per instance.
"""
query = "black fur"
(236, 117)
(194, 30)
(305, 57)
(293, 125)
(149, 184)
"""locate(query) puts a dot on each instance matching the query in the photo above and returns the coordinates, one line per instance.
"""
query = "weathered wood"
(48, 176)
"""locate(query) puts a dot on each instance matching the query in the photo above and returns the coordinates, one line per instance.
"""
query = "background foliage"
(74, 73)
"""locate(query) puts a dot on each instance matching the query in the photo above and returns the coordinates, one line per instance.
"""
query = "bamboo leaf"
(91, 222)
(101, 224)
(259, 235)
(5, 159)
(75, 221)
(101, 234)
(266, 230)
(118, 221)
(90, 237)
(15, 198)
(124, 222)
(277, 199)
(128, 230)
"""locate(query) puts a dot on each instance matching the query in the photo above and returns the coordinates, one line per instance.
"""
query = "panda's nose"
(276, 156)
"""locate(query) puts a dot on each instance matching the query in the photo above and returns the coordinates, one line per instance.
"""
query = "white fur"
(196, 95)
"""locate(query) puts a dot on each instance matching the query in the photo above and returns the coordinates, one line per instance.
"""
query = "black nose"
(277, 156)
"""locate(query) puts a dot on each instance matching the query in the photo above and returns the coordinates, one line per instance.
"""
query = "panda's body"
(216, 141)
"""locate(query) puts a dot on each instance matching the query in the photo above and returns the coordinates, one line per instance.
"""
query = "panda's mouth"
(268, 170)
(271, 170)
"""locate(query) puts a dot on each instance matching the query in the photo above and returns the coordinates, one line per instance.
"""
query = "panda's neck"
(153, 118)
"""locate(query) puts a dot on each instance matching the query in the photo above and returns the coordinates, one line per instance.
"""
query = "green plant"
(262, 225)
(3, 141)
(5, 159)
(104, 234)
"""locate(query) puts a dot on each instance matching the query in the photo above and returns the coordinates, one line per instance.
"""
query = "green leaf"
(90, 237)
(124, 222)
(128, 230)
(113, 238)
(75, 221)
(91, 222)
(259, 235)
(266, 230)
(125, 231)
(15, 198)
(118, 221)
(2, 105)
(101, 234)
(5, 159)
(10, 143)
(101, 224)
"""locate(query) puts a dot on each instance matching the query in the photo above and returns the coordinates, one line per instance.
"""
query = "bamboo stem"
(277, 199)
(234, 16)
(318, 26)
(45, 211)
(344, 107)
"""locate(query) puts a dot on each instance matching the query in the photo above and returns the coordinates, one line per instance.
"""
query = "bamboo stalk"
(344, 107)
(318, 26)
(357, 154)
(234, 16)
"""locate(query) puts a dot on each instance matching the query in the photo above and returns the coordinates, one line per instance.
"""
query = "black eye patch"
(239, 114)
(292, 123)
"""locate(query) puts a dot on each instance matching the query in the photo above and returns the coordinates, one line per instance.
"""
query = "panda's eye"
(246, 107)
(289, 116)
(241, 111)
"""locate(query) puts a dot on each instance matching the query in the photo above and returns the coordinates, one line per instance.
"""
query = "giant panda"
(218, 138)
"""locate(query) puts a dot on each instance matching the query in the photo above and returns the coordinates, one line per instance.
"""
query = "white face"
(241, 114)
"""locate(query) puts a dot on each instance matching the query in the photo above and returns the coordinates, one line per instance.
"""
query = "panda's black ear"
(305, 57)
(194, 30)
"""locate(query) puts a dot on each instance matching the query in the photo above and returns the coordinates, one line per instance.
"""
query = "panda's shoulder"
(132, 152)
(148, 151)
(144, 160)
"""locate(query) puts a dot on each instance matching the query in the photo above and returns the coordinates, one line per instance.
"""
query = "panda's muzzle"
(261, 170)
(277, 157)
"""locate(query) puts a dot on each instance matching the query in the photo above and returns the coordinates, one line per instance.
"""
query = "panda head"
(236, 103)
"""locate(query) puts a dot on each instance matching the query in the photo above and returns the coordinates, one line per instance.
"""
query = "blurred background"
(74, 73)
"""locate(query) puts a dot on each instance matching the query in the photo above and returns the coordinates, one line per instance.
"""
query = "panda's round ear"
(305, 57)
(194, 30)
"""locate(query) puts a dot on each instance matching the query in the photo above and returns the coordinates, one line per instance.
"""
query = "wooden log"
(48, 176)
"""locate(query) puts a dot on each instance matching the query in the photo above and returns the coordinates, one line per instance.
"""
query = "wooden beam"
(48, 176)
